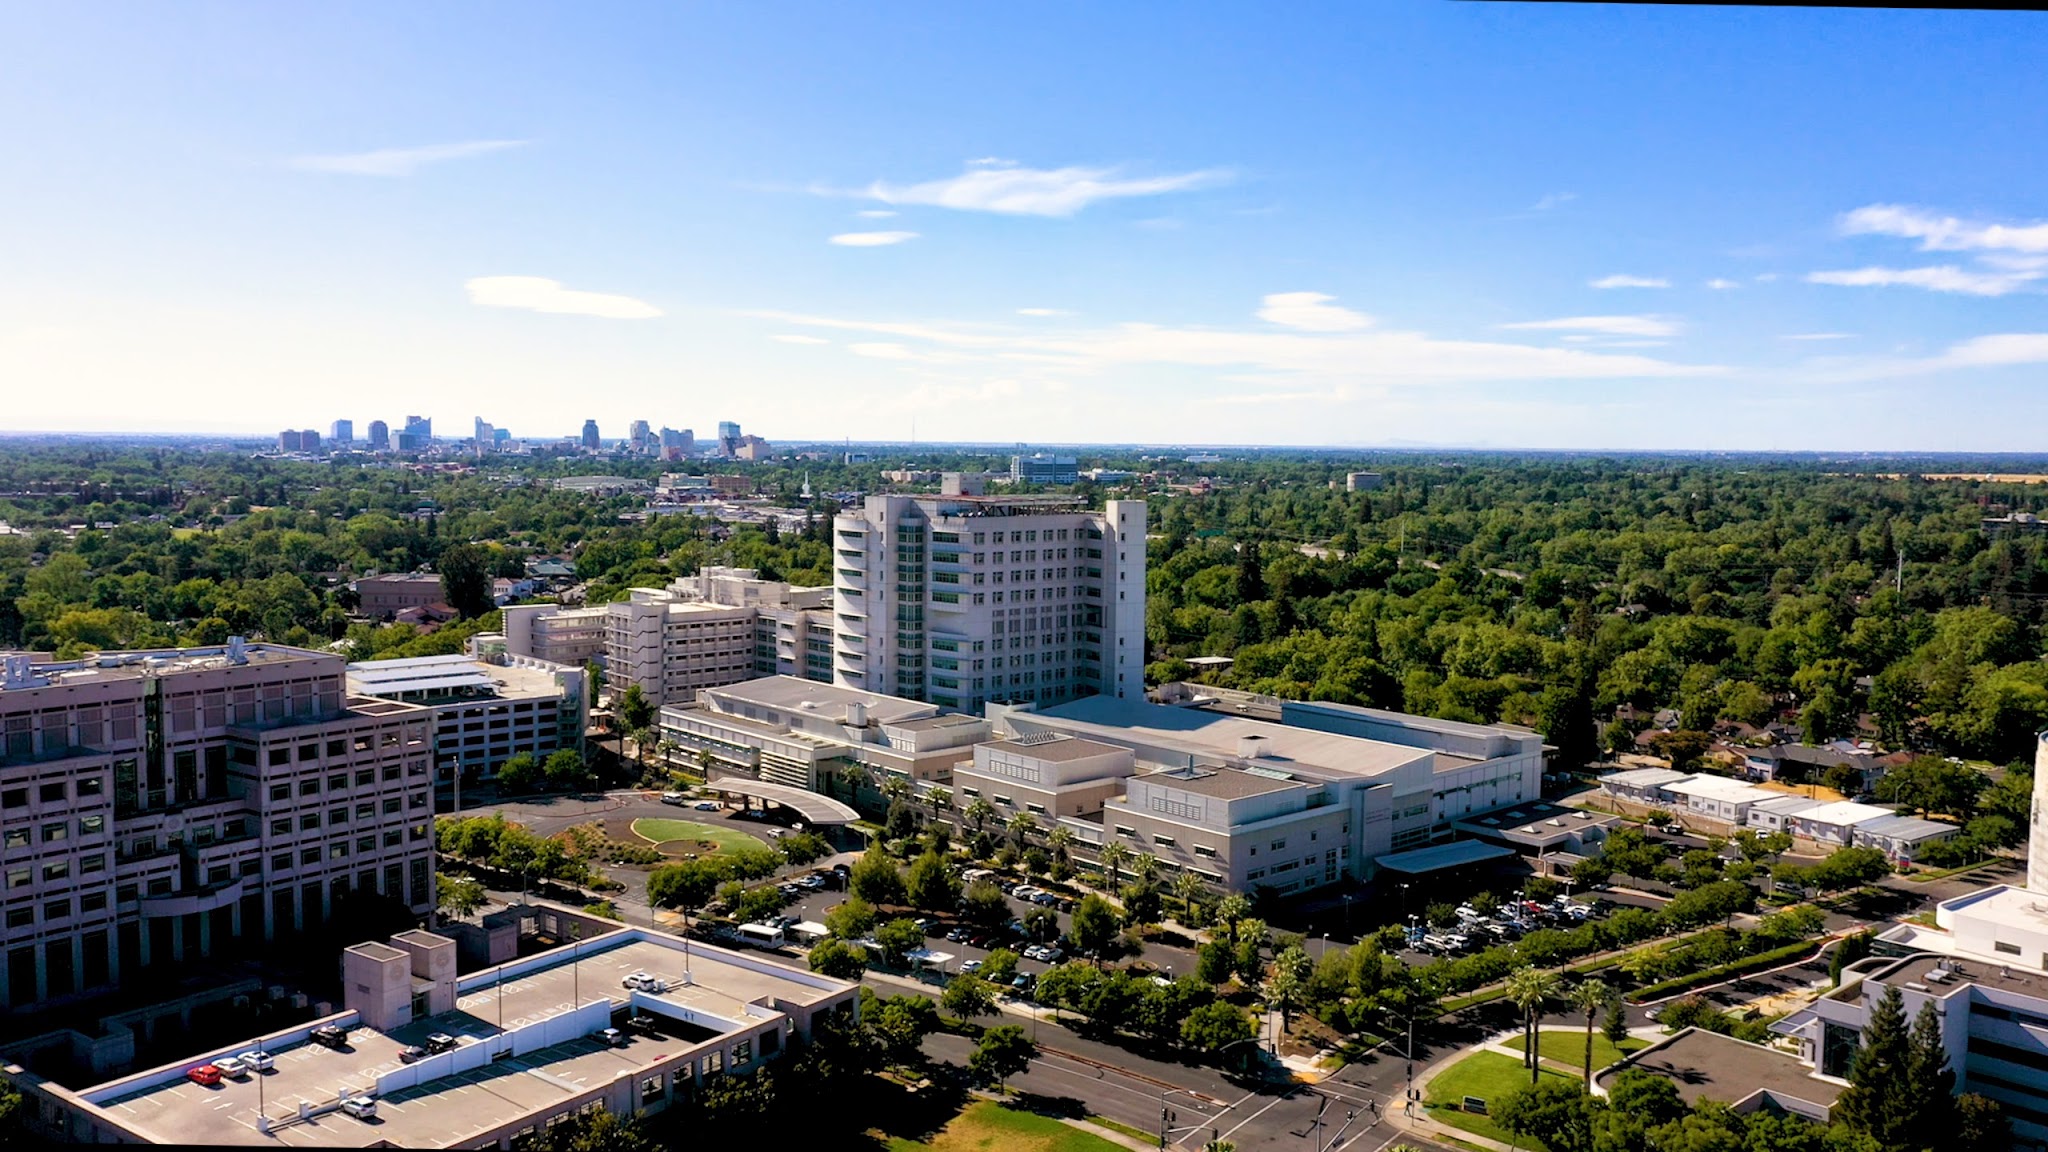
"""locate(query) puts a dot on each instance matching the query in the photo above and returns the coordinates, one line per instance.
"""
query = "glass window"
(91, 825)
(53, 793)
(280, 791)
(279, 756)
(52, 833)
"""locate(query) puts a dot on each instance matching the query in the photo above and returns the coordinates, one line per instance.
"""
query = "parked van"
(762, 936)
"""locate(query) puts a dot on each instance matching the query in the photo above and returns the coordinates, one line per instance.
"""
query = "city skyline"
(1566, 227)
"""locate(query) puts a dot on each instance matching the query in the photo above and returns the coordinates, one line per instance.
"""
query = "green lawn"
(1489, 1076)
(1569, 1049)
(991, 1127)
(662, 831)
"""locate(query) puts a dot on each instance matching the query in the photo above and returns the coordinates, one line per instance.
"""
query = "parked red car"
(206, 1074)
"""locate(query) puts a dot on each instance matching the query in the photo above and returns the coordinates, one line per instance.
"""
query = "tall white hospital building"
(961, 599)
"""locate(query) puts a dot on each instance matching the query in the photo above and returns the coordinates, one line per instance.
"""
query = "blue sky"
(1549, 226)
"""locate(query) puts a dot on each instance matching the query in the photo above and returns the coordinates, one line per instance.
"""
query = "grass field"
(1569, 1049)
(990, 1127)
(1489, 1076)
(662, 831)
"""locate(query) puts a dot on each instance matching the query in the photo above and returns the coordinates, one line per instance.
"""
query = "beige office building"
(159, 806)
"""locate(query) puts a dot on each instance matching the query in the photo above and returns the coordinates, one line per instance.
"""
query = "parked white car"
(232, 1066)
(256, 1060)
(360, 1107)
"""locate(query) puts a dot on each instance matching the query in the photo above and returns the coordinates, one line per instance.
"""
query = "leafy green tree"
(1003, 1052)
(1614, 1026)
(933, 887)
(1215, 1026)
(968, 996)
(899, 938)
(458, 896)
(635, 710)
(876, 879)
(800, 848)
(1556, 1113)
(1929, 1083)
(852, 919)
(1095, 926)
(519, 773)
(999, 967)
(904, 1022)
(466, 579)
(1932, 784)
(985, 904)
(838, 959)
(564, 768)
(1980, 1126)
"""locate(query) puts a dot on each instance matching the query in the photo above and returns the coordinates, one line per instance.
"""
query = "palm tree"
(1057, 841)
(894, 788)
(1022, 825)
(854, 775)
(1144, 865)
(1530, 988)
(1589, 996)
(939, 799)
(1233, 907)
(1187, 886)
(981, 812)
(1113, 856)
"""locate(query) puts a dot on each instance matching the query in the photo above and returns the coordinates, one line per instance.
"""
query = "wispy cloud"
(1818, 336)
(871, 239)
(535, 294)
(400, 161)
(1553, 200)
(1938, 278)
(1999, 350)
(1944, 233)
(995, 186)
(1043, 312)
(1720, 285)
(1311, 312)
(876, 213)
(1324, 356)
(798, 338)
(1604, 325)
(1766, 277)
(1624, 280)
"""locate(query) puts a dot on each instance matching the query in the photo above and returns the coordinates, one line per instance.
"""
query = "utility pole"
(1899, 582)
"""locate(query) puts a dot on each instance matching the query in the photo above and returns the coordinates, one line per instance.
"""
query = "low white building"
(1717, 797)
(1836, 823)
(1775, 814)
(485, 711)
(1903, 837)
(1641, 785)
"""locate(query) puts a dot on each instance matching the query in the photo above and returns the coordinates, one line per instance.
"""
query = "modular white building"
(485, 711)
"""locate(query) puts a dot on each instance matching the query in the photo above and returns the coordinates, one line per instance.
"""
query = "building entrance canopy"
(816, 810)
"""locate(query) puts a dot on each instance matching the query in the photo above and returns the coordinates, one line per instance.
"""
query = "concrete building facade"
(385, 596)
(961, 600)
(485, 711)
(555, 634)
(158, 806)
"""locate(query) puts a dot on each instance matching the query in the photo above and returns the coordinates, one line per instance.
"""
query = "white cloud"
(1043, 312)
(535, 294)
(1604, 325)
(1938, 278)
(1818, 336)
(1720, 285)
(1311, 312)
(1035, 191)
(1376, 357)
(1944, 233)
(399, 161)
(797, 338)
(879, 350)
(1553, 200)
(1996, 350)
(1766, 277)
(871, 239)
(876, 213)
(1623, 280)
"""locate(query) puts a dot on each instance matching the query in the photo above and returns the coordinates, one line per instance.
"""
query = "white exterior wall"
(961, 601)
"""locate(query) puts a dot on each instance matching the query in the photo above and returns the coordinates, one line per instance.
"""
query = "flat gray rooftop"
(1709, 1066)
(1056, 751)
(1216, 735)
(456, 1108)
(826, 700)
(1226, 784)
(1963, 970)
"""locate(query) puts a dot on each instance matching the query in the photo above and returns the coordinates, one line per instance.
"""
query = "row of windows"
(58, 831)
(54, 792)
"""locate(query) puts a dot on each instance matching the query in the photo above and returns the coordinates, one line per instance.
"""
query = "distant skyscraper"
(501, 434)
(486, 436)
(591, 441)
(288, 440)
(728, 438)
(343, 433)
(418, 434)
(309, 441)
(380, 436)
(676, 445)
(638, 433)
